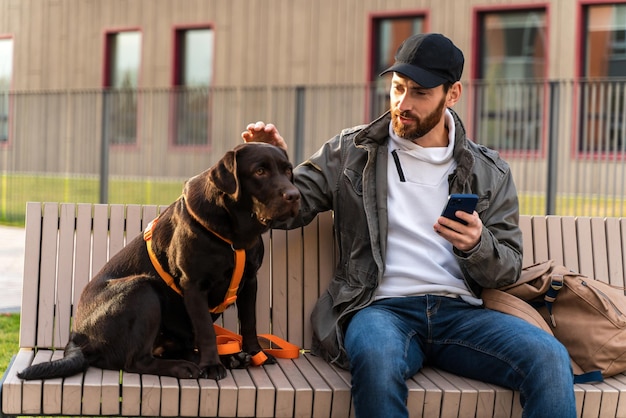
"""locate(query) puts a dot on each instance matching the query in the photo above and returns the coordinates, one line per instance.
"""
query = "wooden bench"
(67, 243)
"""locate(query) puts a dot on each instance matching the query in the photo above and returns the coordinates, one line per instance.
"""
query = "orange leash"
(230, 343)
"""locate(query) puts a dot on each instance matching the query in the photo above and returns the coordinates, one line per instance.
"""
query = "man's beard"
(421, 127)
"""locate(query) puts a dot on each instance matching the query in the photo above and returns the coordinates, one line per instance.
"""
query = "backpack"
(587, 316)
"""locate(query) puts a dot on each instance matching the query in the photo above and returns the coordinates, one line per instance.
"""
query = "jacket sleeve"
(316, 179)
(498, 259)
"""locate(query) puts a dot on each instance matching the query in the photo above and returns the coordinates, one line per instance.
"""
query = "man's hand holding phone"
(459, 223)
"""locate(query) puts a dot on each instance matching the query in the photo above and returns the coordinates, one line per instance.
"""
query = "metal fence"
(564, 139)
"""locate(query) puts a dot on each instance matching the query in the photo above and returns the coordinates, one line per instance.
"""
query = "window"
(123, 57)
(388, 34)
(510, 91)
(6, 74)
(602, 94)
(192, 78)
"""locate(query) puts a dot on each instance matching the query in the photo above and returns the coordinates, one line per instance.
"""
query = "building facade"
(161, 88)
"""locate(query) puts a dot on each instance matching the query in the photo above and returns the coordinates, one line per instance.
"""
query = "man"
(406, 290)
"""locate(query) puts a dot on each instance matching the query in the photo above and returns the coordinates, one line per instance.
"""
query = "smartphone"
(464, 202)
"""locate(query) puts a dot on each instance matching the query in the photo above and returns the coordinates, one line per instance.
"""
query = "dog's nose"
(291, 195)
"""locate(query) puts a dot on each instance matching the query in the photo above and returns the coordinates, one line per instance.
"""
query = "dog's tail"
(74, 361)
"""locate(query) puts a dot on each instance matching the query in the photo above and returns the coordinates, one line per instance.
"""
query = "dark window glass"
(509, 94)
(123, 63)
(602, 89)
(193, 72)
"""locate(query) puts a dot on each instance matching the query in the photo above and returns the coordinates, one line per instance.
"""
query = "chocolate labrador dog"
(151, 307)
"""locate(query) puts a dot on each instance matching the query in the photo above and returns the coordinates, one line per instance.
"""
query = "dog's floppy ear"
(224, 174)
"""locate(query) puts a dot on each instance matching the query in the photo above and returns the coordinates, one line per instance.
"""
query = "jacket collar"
(377, 133)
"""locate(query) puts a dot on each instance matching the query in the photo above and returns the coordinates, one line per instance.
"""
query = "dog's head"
(256, 178)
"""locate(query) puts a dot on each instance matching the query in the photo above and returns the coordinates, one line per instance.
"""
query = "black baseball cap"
(429, 59)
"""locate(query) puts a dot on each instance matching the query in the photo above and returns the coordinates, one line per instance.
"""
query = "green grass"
(16, 190)
(9, 338)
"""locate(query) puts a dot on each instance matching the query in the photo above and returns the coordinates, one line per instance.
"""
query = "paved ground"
(11, 268)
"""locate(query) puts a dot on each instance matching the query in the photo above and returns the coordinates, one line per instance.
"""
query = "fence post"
(553, 147)
(299, 126)
(104, 148)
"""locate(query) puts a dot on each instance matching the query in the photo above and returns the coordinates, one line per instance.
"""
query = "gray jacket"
(348, 175)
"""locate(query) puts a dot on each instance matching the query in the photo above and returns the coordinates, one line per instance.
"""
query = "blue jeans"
(392, 339)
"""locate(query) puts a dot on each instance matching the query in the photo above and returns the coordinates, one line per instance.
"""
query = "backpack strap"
(556, 284)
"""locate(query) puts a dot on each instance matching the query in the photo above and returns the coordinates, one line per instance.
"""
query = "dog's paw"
(187, 370)
(215, 372)
(239, 360)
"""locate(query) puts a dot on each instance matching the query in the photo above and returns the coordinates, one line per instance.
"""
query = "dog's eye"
(260, 171)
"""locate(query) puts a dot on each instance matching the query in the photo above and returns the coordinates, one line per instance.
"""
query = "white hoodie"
(419, 261)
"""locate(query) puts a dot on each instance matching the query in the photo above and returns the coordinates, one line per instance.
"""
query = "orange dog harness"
(231, 294)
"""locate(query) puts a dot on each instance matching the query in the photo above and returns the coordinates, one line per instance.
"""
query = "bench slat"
(189, 397)
(555, 239)
(619, 383)
(131, 394)
(303, 392)
(30, 280)
(72, 395)
(82, 259)
(468, 404)
(32, 390)
(540, 242)
(117, 229)
(92, 391)
(322, 399)
(133, 222)
(227, 405)
(525, 224)
(599, 253)
(48, 269)
(312, 258)
(100, 245)
(12, 385)
(486, 397)
(614, 252)
(110, 392)
(503, 401)
(622, 229)
(570, 243)
(52, 393)
(150, 396)
(268, 395)
(274, 379)
(595, 396)
(170, 395)
(263, 296)
(585, 256)
(279, 244)
(415, 399)
(246, 404)
(341, 398)
(294, 283)
(65, 265)
(209, 393)
(433, 395)
(451, 400)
